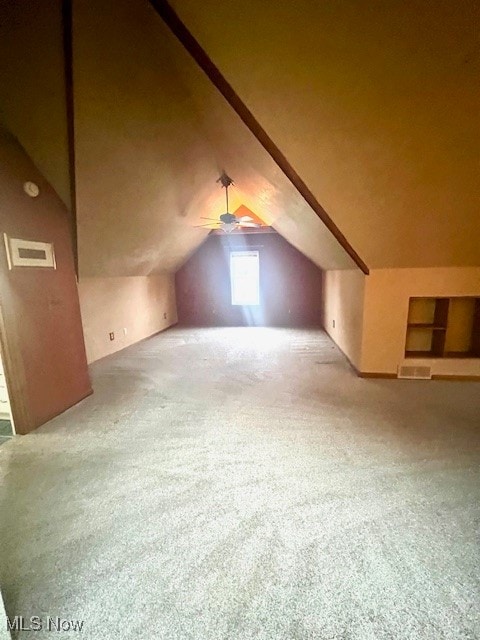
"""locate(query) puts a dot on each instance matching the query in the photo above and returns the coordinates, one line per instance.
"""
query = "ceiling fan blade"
(203, 218)
(250, 224)
(211, 226)
(246, 219)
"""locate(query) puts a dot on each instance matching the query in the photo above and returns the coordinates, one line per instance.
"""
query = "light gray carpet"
(243, 484)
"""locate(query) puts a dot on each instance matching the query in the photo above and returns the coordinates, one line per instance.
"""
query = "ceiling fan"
(227, 221)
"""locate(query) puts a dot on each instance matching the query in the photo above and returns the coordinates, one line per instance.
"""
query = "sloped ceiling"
(376, 107)
(32, 89)
(152, 135)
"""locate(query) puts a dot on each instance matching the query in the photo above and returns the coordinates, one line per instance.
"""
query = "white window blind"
(245, 278)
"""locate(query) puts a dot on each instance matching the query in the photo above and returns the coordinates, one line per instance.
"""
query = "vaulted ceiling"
(374, 107)
(374, 104)
(32, 85)
(152, 136)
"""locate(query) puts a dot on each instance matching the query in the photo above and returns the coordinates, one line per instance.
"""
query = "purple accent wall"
(290, 284)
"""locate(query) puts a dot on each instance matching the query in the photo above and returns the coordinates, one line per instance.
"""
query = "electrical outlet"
(124, 331)
(165, 315)
(112, 335)
(333, 324)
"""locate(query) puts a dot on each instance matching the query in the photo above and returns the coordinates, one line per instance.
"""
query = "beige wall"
(137, 304)
(343, 293)
(370, 314)
(387, 293)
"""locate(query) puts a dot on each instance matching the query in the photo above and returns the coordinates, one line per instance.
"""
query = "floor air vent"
(411, 372)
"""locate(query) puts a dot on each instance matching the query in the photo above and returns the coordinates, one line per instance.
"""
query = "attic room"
(239, 319)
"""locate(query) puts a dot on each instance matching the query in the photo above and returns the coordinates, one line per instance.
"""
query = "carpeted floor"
(243, 484)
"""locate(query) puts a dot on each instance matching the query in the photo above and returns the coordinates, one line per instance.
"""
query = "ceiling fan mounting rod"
(226, 182)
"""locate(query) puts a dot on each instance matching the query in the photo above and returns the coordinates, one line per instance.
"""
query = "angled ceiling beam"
(178, 28)
(67, 25)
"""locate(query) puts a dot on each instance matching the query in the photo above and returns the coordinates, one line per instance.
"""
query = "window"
(244, 278)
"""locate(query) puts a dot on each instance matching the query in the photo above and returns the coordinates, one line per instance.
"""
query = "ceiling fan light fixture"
(227, 221)
(228, 218)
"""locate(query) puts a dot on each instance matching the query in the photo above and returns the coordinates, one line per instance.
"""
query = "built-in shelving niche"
(443, 328)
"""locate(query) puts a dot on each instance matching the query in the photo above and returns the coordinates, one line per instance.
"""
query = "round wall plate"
(31, 189)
